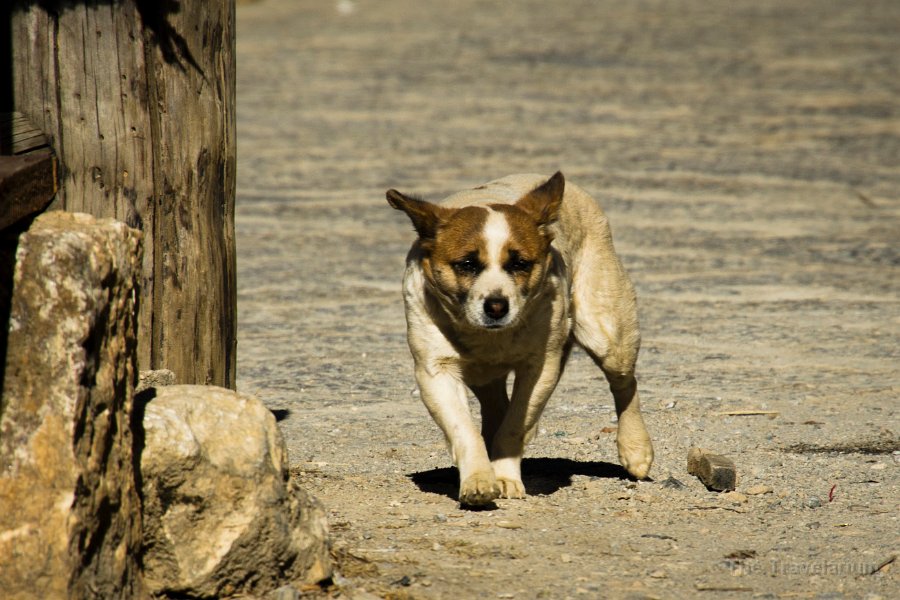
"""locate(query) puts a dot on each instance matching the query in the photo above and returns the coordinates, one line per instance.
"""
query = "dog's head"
(486, 262)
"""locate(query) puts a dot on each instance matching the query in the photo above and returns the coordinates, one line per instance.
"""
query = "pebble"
(672, 483)
(658, 574)
(509, 524)
(813, 502)
(758, 490)
(734, 497)
(285, 592)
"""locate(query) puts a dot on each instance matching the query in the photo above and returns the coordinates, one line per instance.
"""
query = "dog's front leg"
(531, 390)
(445, 397)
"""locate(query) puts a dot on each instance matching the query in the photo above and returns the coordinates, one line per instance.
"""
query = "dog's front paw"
(479, 489)
(636, 455)
(511, 488)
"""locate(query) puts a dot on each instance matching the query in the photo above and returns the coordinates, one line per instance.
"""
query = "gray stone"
(221, 514)
(70, 519)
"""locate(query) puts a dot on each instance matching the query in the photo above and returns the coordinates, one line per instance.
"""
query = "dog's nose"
(496, 307)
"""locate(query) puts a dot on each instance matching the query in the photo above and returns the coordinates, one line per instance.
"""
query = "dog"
(504, 279)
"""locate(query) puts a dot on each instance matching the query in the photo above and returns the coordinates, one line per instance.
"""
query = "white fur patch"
(494, 281)
(496, 235)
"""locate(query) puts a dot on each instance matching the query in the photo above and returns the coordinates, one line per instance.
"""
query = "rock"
(154, 379)
(734, 497)
(715, 471)
(672, 484)
(758, 490)
(70, 523)
(221, 515)
(285, 592)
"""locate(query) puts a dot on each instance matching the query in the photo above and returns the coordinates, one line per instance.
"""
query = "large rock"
(221, 515)
(70, 518)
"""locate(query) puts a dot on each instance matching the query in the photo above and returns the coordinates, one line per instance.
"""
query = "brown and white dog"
(502, 279)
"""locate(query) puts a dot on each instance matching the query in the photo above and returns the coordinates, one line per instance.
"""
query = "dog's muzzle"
(496, 311)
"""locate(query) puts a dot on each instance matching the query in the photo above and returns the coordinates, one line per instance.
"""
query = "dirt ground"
(748, 156)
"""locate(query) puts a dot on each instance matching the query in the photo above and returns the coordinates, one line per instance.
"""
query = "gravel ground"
(748, 156)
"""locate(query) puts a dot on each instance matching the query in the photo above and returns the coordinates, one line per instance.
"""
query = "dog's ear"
(544, 201)
(425, 216)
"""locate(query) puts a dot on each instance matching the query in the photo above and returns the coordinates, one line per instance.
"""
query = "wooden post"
(137, 98)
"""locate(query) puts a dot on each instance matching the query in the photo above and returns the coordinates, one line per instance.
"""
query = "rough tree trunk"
(137, 98)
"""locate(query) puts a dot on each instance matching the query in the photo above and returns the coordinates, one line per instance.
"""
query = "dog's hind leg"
(609, 333)
(494, 401)
(632, 439)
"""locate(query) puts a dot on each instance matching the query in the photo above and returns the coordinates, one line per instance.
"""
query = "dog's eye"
(517, 264)
(469, 265)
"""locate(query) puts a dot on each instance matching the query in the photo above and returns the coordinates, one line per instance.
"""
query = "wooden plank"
(27, 184)
(137, 100)
(18, 135)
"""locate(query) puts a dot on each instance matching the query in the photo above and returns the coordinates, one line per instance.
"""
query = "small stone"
(672, 484)
(509, 524)
(734, 497)
(659, 574)
(813, 502)
(285, 592)
(715, 471)
(440, 518)
(758, 490)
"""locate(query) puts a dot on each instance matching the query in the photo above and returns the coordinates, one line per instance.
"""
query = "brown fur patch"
(459, 236)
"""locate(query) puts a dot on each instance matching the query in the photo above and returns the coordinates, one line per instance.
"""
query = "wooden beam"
(27, 169)
(18, 135)
(27, 184)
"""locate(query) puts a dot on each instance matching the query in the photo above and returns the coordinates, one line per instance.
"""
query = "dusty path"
(748, 155)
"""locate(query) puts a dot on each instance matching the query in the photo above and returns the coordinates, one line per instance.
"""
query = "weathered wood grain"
(18, 135)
